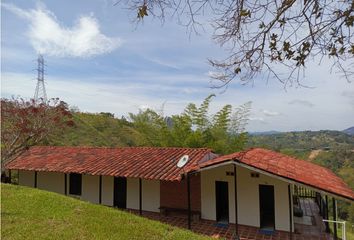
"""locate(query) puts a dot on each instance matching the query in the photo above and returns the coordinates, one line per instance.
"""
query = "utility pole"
(40, 93)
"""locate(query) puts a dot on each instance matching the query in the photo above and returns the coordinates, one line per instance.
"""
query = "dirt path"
(314, 154)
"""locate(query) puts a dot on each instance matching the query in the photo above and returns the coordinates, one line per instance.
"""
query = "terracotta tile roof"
(288, 167)
(139, 162)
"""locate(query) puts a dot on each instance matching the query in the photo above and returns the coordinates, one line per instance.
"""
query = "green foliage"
(306, 140)
(93, 130)
(29, 213)
(300, 154)
(151, 127)
(336, 160)
(342, 163)
(195, 127)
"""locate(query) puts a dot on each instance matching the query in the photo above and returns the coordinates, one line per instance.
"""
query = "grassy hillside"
(303, 141)
(34, 214)
(91, 129)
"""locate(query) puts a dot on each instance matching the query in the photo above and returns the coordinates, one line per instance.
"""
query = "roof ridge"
(134, 147)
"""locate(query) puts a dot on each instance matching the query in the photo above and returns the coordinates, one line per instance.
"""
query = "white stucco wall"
(51, 181)
(26, 178)
(133, 193)
(90, 188)
(55, 182)
(248, 196)
(107, 190)
(208, 205)
(150, 194)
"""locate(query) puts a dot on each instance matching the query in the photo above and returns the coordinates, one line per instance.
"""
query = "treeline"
(223, 131)
(304, 141)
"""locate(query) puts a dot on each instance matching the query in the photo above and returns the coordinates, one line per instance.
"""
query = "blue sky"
(100, 61)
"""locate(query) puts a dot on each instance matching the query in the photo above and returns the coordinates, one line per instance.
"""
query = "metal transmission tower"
(40, 94)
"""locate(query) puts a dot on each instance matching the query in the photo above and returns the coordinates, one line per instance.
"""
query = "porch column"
(334, 218)
(236, 212)
(10, 176)
(140, 198)
(320, 204)
(35, 179)
(327, 215)
(290, 213)
(100, 191)
(189, 201)
(65, 184)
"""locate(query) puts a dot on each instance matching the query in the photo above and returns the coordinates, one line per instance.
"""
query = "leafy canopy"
(28, 123)
(195, 127)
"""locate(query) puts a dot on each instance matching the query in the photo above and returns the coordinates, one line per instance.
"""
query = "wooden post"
(334, 219)
(327, 215)
(140, 198)
(65, 184)
(10, 176)
(290, 214)
(189, 201)
(236, 212)
(100, 191)
(35, 179)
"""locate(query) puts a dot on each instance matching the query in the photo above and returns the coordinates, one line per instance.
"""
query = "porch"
(315, 231)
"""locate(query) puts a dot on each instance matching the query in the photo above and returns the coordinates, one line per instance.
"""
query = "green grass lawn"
(34, 214)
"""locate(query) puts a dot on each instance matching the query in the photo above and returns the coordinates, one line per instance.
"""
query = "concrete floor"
(209, 228)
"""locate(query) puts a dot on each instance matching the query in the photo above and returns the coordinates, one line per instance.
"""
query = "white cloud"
(144, 107)
(260, 119)
(48, 36)
(99, 96)
(213, 74)
(270, 113)
(304, 103)
(350, 96)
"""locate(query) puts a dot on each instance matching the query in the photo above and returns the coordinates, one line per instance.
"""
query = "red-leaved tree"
(28, 123)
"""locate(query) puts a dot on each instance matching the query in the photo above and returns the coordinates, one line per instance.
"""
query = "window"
(75, 184)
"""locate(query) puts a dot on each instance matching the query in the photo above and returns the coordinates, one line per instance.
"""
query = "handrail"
(340, 222)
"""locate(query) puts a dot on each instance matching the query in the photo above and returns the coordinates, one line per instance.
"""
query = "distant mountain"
(264, 133)
(304, 140)
(349, 131)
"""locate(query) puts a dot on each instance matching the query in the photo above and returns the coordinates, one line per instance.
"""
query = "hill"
(34, 214)
(349, 131)
(264, 133)
(305, 140)
(95, 129)
(102, 129)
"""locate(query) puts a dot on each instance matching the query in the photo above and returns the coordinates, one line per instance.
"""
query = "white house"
(259, 182)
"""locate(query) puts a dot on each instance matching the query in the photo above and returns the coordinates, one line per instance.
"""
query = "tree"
(224, 131)
(27, 123)
(150, 128)
(266, 36)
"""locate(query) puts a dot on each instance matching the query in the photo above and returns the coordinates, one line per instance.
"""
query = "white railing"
(343, 227)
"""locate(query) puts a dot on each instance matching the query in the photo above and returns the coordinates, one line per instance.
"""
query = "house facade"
(258, 181)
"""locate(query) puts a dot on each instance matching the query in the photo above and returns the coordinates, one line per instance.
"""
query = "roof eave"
(237, 162)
